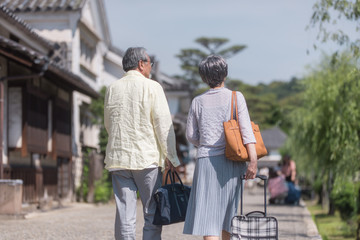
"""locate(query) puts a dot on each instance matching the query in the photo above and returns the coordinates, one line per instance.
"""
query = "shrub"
(103, 188)
(344, 196)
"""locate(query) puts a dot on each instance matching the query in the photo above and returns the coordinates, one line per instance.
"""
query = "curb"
(311, 227)
(12, 216)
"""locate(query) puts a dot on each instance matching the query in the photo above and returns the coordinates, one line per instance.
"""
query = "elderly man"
(141, 143)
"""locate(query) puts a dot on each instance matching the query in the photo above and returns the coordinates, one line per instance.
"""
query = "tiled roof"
(76, 81)
(42, 5)
(27, 54)
(171, 83)
(273, 138)
(117, 50)
(7, 14)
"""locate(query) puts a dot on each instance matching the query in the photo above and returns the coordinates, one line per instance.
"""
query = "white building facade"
(84, 47)
(80, 31)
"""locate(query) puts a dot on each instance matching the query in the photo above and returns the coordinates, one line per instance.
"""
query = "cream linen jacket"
(139, 124)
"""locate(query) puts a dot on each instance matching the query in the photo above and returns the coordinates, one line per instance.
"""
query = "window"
(37, 119)
(87, 53)
(15, 117)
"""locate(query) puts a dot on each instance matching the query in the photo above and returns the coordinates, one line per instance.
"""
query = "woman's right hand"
(251, 170)
(252, 166)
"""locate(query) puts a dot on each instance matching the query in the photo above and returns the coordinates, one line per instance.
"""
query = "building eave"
(13, 19)
(105, 23)
(37, 61)
(76, 82)
(43, 6)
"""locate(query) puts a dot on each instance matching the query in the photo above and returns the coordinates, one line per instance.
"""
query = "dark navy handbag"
(171, 201)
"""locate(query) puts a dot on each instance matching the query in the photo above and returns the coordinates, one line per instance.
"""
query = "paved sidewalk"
(85, 221)
(295, 222)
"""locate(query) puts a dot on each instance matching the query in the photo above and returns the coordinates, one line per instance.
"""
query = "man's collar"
(133, 72)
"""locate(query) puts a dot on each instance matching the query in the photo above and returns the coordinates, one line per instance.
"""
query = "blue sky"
(273, 31)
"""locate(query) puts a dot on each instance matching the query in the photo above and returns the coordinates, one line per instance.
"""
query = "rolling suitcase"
(254, 225)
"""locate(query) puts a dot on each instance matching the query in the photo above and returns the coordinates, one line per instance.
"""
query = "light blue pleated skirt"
(214, 196)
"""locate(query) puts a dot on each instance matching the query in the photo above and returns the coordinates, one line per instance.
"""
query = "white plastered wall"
(3, 72)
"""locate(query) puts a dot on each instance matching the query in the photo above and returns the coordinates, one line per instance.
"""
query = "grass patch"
(331, 227)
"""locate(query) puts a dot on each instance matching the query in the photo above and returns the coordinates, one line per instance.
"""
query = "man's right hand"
(168, 165)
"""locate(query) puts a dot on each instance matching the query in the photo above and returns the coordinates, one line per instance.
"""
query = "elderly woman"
(216, 185)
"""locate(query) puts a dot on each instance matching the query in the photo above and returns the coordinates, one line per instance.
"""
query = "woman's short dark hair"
(132, 57)
(213, 70)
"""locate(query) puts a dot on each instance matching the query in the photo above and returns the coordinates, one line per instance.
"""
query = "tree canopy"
(97, 109)
(325, 136)
(191, 57)
(327, 124)
(328, 15)
(270, 104)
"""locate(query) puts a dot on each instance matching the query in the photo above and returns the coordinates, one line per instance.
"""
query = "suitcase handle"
(262, 177)
(256, 213)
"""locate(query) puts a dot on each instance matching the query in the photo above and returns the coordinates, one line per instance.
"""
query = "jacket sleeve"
(192, 128)
(163, 126)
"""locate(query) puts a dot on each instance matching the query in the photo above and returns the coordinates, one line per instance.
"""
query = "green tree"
(191, 57)
(103, 187)
(328, 15)
(97, 109)
(270, 104)
(326, 130)
(287, 99)
(261, 106)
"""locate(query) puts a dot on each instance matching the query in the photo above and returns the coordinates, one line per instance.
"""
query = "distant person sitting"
(277, 186)
(288, 169)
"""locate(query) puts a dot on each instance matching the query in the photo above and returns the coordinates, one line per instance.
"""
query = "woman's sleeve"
(244, 120)
(192, 128)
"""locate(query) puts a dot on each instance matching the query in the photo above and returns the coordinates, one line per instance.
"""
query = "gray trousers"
(125, 185)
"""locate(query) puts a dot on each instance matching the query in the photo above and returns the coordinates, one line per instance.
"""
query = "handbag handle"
(172, 181)
(172, 178)
(174, 173)
(182, 185)
(233, 98)
(167, 177)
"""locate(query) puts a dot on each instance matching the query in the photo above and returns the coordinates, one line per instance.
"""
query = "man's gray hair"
(213, 70)
(132, 57)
